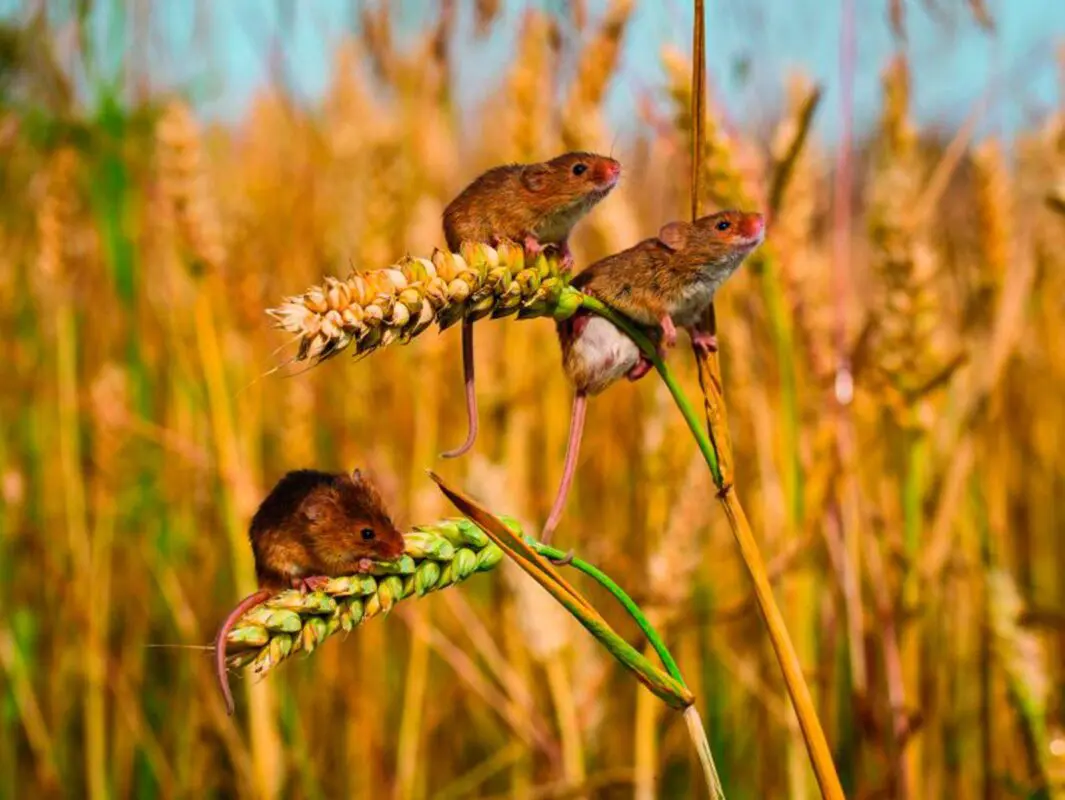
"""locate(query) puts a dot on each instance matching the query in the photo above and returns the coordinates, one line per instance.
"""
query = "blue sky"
(222, 50)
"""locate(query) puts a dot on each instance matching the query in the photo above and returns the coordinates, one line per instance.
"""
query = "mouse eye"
(367, 534)
(724, 225)
(580, 169)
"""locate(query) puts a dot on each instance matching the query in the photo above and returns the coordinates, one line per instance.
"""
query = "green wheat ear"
(290, 622)
(375, 308)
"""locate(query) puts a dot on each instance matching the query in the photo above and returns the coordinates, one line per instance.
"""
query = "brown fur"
(533, 205)
(655, 277)
(312, 523)
(666, 280)
(310, 526)
(543, 201)
(633, 281)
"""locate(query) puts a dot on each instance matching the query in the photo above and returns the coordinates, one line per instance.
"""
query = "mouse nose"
(610, 171)
(753, 226)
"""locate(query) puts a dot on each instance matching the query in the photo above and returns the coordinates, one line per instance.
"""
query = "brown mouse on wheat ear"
(313, 526)
(533, 204)
(666, 281)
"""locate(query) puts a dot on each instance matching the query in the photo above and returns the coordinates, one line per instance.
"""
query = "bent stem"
(666, 687)
(530, 556)
(622, 597)
(691, 714)
(798, 691)
(647, 347)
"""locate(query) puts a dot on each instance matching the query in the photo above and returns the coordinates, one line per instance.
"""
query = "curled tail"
(242, 608)
(573, 446)
(471, 394)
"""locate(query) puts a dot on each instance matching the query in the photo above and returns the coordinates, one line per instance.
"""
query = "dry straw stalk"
(323, 330)
(716, 443)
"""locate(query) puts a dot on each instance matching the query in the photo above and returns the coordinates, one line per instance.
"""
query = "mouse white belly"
(689, 307)
(600, 355)
(693, 303)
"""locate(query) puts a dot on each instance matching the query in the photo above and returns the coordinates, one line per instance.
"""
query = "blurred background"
(892, 359)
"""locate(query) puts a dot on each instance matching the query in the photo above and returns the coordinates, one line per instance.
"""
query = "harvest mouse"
(667, 281)
(534, 205)
(313, 526)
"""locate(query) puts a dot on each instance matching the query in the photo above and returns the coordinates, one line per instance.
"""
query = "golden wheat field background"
(894, 367)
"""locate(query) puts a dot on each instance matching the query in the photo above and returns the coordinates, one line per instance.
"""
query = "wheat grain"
(722, 182)
(598, 61)
(994, 209)
(1023, 659)
(437, 556)
(529, 86)
(55, 214)
(373, 309)
(805, 281)
(903, 258)
(183, 175)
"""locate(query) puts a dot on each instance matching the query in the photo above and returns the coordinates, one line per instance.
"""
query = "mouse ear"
(356, 475)
(534, 177)
(314, 510)
(674, 235)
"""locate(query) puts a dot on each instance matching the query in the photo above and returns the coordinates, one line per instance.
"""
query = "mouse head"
(726, 231)
(351, 508)
(570, 180)
(717, 240)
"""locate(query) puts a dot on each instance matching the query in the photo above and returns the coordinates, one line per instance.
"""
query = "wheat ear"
(375, 308)
(437, 556)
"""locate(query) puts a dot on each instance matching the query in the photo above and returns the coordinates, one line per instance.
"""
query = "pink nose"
(610, 170)
(753, 225)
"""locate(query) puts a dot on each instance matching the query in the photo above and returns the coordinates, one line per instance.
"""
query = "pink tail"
(243, 607)
(471, 394)
(573, 447)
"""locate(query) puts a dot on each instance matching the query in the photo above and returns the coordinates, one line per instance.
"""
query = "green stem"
(671, 690)
(630, 605)
(649, 350)
(798, 691)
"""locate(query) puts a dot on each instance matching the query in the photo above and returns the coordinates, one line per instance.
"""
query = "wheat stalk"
(529, 85)
(373, 309)
(596, 65)
(1021, 655)
(904, 260)
(186, 185)
(994, 208)
(437, 556)
(55, 214)
(722, 182)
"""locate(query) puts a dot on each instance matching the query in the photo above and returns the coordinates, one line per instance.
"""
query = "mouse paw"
(566, 256)
(364, 565)
(643, 366)
(703, 341)
(532, 246)
(311, 583)
(669, 331)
